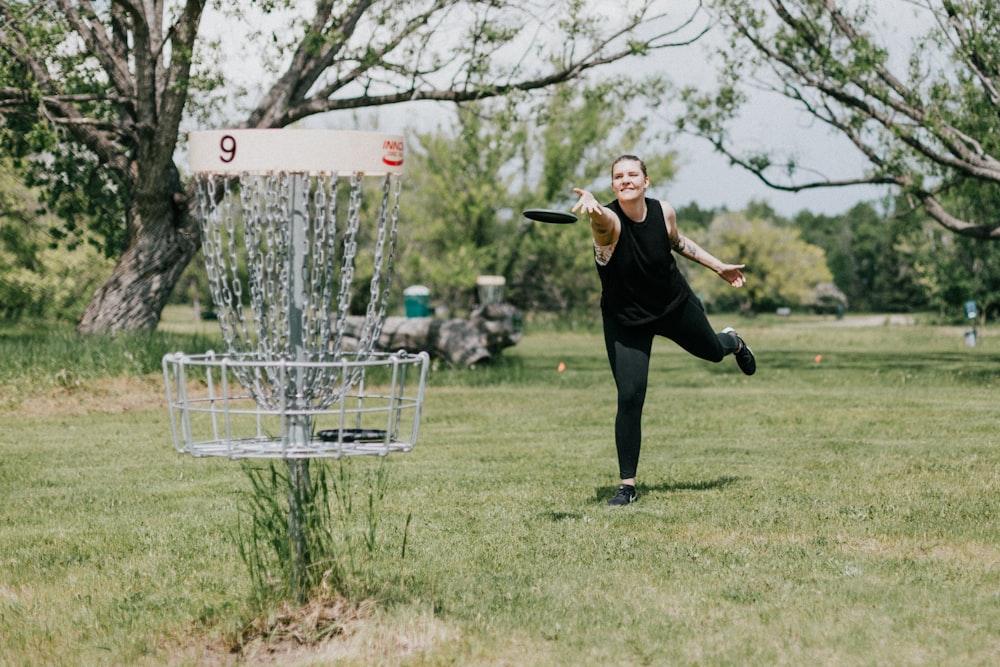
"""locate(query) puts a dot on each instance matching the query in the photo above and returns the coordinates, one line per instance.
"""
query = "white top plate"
(295, 151)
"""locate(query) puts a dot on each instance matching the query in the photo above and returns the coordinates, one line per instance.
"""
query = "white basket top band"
(295, 151)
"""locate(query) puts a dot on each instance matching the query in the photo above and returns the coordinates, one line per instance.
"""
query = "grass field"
(838, 508)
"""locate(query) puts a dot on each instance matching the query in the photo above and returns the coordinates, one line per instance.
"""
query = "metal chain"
(330, 268)
(321, 257)
(350, 248)
(253, 190)
(314, 266)
(395, 183)
(378, 293)
(327, 254)
(211, 241)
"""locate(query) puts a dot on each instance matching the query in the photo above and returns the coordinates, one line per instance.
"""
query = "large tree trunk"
(133, 297)
(164, 238)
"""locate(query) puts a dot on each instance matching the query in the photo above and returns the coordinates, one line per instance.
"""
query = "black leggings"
(628, 351)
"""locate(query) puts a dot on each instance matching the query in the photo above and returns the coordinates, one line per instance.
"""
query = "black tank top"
(641, 282)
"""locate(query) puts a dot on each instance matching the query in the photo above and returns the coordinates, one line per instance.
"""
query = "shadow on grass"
(603, 493)
(704, 485)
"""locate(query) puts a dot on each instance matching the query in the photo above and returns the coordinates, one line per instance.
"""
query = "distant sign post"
(972, 314)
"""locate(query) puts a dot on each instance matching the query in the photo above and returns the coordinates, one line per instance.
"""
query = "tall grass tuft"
(54, 355)
(325, 547)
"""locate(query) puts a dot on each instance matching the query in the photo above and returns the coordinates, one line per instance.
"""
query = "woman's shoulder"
(658, 207)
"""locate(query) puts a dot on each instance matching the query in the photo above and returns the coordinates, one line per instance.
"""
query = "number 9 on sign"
(227, 144)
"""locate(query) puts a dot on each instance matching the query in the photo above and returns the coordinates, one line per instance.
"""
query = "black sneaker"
(744, 355)
(624, 495)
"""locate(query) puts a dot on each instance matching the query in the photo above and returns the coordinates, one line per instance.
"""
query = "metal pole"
(298, 428)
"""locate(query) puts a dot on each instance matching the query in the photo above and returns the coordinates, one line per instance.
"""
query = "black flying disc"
(549, 215)
(351, 435)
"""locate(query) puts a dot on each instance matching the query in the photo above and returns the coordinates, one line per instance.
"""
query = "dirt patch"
(293, 633)
(81, 397)
(319, 633)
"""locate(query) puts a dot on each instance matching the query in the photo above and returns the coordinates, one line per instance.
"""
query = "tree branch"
(969, 155)
(937, 210)
(54, 108)
(759, 171)
(960, 154)
(826, 64)
(987, 74)
(98, 43)
(182, 35)
(372, 68)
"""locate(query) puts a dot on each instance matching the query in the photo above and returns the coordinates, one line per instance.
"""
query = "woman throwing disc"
(644, 294)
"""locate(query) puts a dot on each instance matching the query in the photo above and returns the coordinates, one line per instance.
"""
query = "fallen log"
(463, 342)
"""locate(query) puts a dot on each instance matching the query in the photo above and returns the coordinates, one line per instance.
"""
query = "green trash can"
(417, 299)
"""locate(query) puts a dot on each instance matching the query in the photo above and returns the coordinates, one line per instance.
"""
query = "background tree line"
(468, 181)
(880, 258)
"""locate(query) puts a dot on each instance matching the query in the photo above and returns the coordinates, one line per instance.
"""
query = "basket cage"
(213, 414)
(283, 251)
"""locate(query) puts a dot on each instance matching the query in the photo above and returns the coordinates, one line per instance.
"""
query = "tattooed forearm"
(686, 248)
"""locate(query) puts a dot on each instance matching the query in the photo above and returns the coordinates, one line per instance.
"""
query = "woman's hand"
(587, 204)
(732, 274)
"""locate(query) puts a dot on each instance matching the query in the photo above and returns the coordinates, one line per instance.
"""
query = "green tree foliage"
(883, 262)
(859, 253)
(904, 262)
(782, 269)
(38, 279)
(924, 111)
(466, 188)
(692, 216)
(949, 270)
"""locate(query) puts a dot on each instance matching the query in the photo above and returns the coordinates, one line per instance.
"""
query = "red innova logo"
(392, 153)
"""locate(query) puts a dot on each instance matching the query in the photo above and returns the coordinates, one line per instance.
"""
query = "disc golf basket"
(284, 247)
(286, 256)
